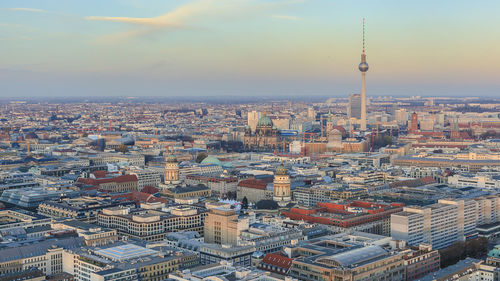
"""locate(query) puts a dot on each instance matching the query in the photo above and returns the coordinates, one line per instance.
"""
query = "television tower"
(363, 67)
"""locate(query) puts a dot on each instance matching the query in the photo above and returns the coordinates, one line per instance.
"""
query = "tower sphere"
(363, 67)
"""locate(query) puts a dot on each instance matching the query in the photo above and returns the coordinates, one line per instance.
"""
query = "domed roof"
(211, 160)
(335, 132)
(282, 171)
(171, 159)
(265, 121)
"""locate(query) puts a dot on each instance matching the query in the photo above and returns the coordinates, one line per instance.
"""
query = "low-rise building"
(220, 184)
(254, 190)
(92, 234)
(146, 177)
(83, 208)
(152, 224)
(125, 261)
(359, 257)
(14, 219)
(421, 262)
(356, 215)
(31, 197)
(179, 192)
(112, 183)
(45, 255)
(237, 255)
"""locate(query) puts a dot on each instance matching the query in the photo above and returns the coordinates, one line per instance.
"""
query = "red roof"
(253, 183)
(276, 263)
(100, 174)
(118, 179)
(139, 197)
(150, 189)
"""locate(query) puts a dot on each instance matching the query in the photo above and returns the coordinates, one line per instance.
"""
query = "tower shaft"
(363, 101)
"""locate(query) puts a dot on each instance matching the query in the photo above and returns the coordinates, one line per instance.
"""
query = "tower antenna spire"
(363, 35)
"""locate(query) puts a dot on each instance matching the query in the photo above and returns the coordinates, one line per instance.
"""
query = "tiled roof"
(253, 183)
(277, 260)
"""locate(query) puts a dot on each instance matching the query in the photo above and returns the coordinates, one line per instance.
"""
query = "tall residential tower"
(363, 67)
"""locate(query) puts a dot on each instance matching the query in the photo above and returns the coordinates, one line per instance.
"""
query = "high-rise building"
(363, 67)
(354, 107)
(281, 186)
(253, 118)
(222, 226)
(414, 123)
(445, 222)
(401, 116)
(455, 131)
(311, 114)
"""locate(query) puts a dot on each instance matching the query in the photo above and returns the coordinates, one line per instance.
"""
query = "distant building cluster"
(355, 188)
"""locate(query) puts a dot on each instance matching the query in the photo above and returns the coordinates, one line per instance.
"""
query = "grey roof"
(358, 256)
(40, 248)
(451, 270)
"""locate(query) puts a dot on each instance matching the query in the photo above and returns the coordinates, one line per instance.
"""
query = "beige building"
(281, 186)
(254, 190)
(92, 234)
(154, 223)
(346, 257)
(45, 255)
(171, 170)
(222, 226)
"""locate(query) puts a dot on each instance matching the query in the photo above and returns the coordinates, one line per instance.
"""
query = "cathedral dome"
(265, 121)
(211, 160)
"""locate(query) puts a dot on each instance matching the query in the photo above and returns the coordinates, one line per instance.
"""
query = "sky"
(181, 48)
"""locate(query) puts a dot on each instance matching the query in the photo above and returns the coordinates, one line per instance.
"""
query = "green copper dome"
(171, 159)
(265, 121)
(211, 160)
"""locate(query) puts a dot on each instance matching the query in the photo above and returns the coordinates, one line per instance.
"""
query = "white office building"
(445, 222)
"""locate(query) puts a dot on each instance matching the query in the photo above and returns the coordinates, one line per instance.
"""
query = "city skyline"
(246, 48)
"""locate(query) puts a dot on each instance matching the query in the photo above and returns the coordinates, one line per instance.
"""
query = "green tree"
(201, 156)
(122, 148)
(244, 203)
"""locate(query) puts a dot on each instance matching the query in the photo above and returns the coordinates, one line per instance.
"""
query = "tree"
(266, 204)
(474, 248)
(244, 203)
(122, 148)
(201, 156)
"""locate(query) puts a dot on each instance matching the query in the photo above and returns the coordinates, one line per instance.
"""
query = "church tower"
(171, 170)
(281, 186)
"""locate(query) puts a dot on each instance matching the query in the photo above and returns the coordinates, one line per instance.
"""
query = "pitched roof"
(150, 189)
(275, 262)
(253, 183)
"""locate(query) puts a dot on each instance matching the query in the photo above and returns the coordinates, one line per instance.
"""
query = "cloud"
(174, 19)
(32, 10)
(189, 15)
